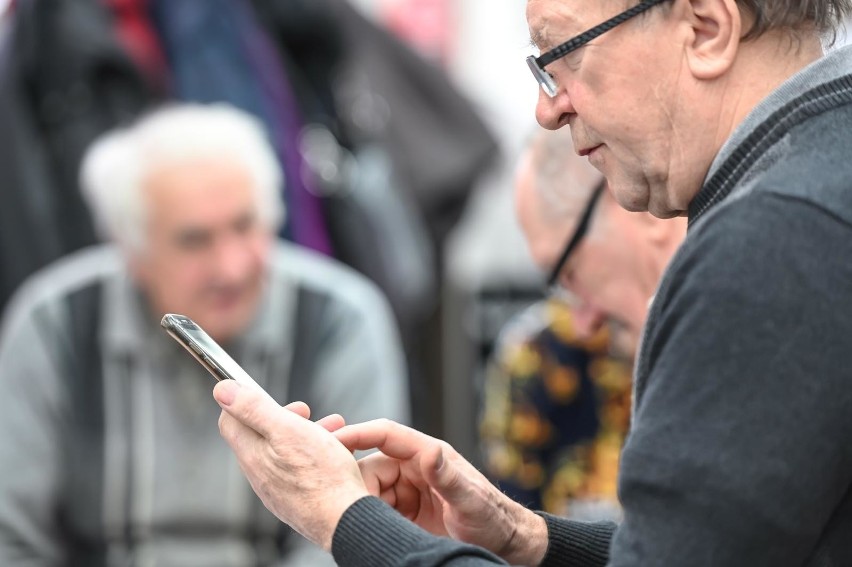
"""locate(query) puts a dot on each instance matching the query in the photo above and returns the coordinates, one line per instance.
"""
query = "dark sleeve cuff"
(372, 534)
(576, 544)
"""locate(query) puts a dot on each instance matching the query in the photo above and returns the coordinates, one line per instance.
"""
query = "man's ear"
(716, 26)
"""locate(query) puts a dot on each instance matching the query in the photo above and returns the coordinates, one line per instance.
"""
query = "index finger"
(391, 438)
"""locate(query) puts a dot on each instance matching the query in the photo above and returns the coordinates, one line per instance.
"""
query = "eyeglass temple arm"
(580, 231)
(586, 37)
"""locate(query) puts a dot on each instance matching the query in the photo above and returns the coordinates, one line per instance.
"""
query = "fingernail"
(225, 392)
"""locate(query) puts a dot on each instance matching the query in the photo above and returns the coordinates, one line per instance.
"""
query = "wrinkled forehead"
(551, 22)
(198, 186)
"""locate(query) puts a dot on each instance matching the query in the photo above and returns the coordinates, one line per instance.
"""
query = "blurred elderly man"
(556, 399)
(110, 453)
(604, 261)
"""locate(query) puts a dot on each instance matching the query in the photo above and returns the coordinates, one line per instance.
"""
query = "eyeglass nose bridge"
(544, 79)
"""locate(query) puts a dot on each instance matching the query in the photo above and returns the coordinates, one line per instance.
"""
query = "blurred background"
(398, 124)
(408, 115)
(486, 274)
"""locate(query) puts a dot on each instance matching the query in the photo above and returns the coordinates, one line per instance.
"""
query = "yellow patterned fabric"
(555, 414)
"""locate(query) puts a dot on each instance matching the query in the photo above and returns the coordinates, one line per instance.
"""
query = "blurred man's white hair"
(564, 180)
(114, 168)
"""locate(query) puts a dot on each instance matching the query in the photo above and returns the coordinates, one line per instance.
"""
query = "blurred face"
(205, 255)
(621, 96)
(606, 275)
(603, 272)
(545, 236)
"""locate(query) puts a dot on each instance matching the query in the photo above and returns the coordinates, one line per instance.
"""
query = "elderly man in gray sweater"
(728, 112)
(110, 453)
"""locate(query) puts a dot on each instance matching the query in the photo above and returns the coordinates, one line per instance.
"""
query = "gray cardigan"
(740, 449)
(110, 450)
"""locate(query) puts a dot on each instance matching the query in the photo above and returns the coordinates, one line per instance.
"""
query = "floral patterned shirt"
(556, 412)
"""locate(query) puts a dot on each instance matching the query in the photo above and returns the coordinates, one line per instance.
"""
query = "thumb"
(444, 475)
(251, 407)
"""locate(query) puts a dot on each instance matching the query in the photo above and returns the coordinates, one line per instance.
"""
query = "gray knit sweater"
(740, 450)
(109, 450)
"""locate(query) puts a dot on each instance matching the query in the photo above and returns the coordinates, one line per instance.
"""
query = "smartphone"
(206, 351)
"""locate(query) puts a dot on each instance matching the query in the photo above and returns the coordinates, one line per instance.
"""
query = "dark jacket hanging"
(65, 80)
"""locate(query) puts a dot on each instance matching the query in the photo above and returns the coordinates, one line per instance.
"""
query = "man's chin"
(623, 340)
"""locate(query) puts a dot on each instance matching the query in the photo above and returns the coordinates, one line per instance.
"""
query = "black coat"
(63, 80)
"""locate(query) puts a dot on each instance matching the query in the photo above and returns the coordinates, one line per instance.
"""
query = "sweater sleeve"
(32, 419)
(576, 544)
(739, 453)
(372, 534)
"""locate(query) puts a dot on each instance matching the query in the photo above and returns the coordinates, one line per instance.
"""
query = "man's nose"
(233, 256)
(588, 320)
(553, 113)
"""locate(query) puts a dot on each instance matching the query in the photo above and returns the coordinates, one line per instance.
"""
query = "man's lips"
(225, 298)
(586, 151)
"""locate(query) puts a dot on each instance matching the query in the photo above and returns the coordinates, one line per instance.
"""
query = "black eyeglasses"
(577, 237)
(537, 64)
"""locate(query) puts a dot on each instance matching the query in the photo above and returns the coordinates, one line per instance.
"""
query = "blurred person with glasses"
(555, 399)
(728, 112)
(603, 262)
(557, 390)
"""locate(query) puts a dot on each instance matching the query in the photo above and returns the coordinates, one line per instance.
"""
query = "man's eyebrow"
(538, 38)
(192, 233)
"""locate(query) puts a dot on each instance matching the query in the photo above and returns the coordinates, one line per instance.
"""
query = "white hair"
(564, 180)
(116, 164)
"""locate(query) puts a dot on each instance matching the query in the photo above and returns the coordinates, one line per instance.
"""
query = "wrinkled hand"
(299, 470)
(429, 483)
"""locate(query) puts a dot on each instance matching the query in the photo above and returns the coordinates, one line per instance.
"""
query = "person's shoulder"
(321, 274)
(808, 165)
(757, 240)
(64, 276)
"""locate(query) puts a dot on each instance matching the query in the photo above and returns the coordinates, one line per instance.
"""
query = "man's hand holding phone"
(281, 452)
(300, 471)
(308, 478)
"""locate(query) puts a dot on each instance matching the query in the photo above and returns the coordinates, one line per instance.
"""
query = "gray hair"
(564, 180)
(116, 164)
(825, 16)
